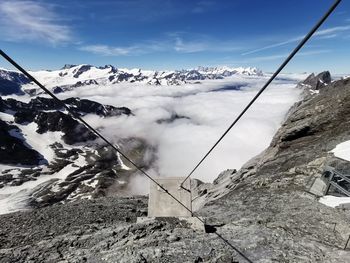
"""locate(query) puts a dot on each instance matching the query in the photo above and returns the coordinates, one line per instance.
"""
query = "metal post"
(329, 182)
(347, 242)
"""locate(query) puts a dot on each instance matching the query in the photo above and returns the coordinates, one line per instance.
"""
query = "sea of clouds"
(204, 112)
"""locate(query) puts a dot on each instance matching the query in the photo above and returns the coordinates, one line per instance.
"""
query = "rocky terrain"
(47, 156)
(265, 209)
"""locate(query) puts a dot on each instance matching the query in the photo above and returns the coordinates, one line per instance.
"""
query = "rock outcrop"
(14, 150)
(50, 116)
(11, 82)
(319, 81)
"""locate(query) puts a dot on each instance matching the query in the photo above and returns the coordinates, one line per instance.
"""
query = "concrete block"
(319, 187)
(160, 204)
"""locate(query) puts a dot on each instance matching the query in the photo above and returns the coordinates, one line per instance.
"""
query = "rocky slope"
(11, 82)
(47, 156)
(265, 209)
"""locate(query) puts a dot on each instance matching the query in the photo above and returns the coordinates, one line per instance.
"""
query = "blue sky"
(173, 34)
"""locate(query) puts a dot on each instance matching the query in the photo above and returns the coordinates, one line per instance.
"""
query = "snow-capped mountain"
(72, 76)
(227, 71)
(11, 82)
(47, 156)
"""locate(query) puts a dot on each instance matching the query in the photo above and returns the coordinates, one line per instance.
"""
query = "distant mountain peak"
(73, 76)
(68, 66)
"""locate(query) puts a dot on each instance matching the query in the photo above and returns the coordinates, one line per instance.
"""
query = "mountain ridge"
(61, 160)
(73, 76)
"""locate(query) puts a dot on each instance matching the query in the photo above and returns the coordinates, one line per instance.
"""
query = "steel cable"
(286, 61)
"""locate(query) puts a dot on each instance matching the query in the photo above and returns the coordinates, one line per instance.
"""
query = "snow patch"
(81, 161)
(334, 201)
(122, 165)
(7, 116)
(14, 198)
(62, 174)
(41, 142)
(342, 150)
(13, 202)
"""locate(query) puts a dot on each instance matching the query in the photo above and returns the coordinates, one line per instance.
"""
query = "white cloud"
(332, 30)
(314, 52)
(131, 50)
(285, 55)
(202, 44)
(34, 21)
(108, 50)
(328, 36)
(268, 58)
(292, 40)
(321, 34)
(203, 6)
(189, 47)
(181, 143)
(173, 42)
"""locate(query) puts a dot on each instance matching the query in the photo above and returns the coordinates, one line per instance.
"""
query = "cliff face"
(265, 209)
(267, 206)
(314, 127)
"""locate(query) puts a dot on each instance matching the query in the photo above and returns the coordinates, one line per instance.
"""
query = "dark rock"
(194, 75)
(32, 92)
(77, 72)
(87, 106)
(172, 118)
(14, 150)
(82, 83)
(68, 66)
(3, 106)
(47, 113)
(25, 116)
(297, 133)
(57, 90)
(124, 77)
(58, 121)
(11, 82)
(9, 87)
(317, 82)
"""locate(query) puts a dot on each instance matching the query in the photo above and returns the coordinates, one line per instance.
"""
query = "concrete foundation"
(162, 207)
(160, 204)
(319, 187)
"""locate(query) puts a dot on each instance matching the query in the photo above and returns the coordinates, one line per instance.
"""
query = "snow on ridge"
(8, 70)
(225, 70)
(342, 150)
(85, 74)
